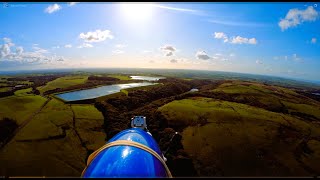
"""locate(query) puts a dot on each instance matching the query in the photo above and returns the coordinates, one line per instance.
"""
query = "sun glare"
(137, 11)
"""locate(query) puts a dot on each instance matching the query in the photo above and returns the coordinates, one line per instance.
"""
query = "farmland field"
(21, 105)
(64, 82)
(239, 140)
(50, 137)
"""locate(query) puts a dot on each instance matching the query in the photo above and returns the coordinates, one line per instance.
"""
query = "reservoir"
(106, 90)
(146, 78)
(99, 91)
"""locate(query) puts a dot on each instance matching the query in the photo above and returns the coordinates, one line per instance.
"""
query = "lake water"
(146, 78)
(194, 90)
(99, 91)
(318, 94)
(106, 90)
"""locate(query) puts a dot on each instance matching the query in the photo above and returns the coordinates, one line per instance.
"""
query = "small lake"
(146, 78)
(317, 94)
(99, 91)
(194, 90)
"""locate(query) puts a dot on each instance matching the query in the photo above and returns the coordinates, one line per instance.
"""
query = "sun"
(137, 11)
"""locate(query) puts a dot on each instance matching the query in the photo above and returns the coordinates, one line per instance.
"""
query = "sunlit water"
(106, 90)
(146, 78)
(99, 91)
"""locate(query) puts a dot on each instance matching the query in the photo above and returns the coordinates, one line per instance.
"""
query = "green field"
(240, 87)
(89, 123)
(54, 115)
(271, 97)
(64, 82)
(5, 89)
(21, 105)
(230, 137)
(124, 91)
(86, 112)
(121, 77)
(49, 144)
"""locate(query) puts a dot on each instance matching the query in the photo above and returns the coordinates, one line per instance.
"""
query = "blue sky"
(281, 39)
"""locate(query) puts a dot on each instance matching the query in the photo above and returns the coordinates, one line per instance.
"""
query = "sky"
(278, 39)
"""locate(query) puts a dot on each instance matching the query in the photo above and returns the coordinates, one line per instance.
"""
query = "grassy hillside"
(55, 142)
(233, 139)
(272, 98)
(89, 125)
(21, 105)
(64, 82)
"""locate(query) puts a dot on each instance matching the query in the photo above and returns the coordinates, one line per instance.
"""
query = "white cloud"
(72, 3)
(120, 45)
(117, 51)
(252, 41)
(96, 36)
(202, 55)
(259, 62)
(38, 55)
(4, 50)
(55, 47)
(39, 50)
(242, 40)
(8, 41)
(220, 35)
(68, 46)
(19, 50)
(295, 17)
(232, 55)
(170, 53)
(174, 61)
(168, 50)
(313, 40)
(85, 45)
(234, 40)
(52, 8)
(60, 59)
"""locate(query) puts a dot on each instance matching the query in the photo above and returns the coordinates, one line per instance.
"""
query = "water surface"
(99, 91)
(146, 78)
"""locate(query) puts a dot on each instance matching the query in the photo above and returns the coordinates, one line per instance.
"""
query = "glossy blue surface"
(127, 161)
